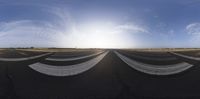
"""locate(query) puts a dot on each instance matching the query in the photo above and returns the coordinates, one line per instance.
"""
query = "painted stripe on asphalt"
(185, 56)
(72, 59)
(23, 59)
(155, 69)
(69, 70)
(154, 58)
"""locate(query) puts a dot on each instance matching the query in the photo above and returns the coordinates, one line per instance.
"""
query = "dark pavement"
(111, 78)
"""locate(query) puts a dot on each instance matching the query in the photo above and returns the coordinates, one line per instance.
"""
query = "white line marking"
(155, 69)
(67, 70)
(23, 59)
(72, 59)
(22, 53)
(155, 58)
(185, 56)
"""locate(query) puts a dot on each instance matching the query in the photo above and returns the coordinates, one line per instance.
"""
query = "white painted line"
(185, 56)
(71, 59)
(69, 70)
(23, 59)
(155, 69)
(155, 58)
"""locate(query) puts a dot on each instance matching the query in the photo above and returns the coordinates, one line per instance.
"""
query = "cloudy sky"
(100, 23)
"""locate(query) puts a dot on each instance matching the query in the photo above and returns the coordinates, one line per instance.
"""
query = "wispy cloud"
(27, 31)
(193, 31)
(193, 28)
(131, 28)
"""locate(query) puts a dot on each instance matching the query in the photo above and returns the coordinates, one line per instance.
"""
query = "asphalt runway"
(111, 78)
(181, 85)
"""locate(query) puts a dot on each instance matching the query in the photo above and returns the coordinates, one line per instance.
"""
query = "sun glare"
(97, 35)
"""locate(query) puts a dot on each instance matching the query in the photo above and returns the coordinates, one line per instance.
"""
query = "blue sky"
(100, 23)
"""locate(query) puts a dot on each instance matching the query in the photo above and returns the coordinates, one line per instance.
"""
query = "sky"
(100, 23)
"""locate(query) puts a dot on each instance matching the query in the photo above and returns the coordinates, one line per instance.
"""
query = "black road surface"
(111, 78)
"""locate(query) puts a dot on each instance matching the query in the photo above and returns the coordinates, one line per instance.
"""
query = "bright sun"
(97, 35)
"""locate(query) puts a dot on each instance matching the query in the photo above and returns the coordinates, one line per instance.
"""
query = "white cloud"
(27, 32)
(131, 28)
(193, 28)
(26, 27)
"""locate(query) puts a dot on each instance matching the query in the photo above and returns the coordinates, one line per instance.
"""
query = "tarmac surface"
(111, 78)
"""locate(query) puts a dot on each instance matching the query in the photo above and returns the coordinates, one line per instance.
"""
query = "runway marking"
(23, 59)
(155, 69)
(22, 53)
(72, 59)
(185, 56)
(69, 70)
(155, 58)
